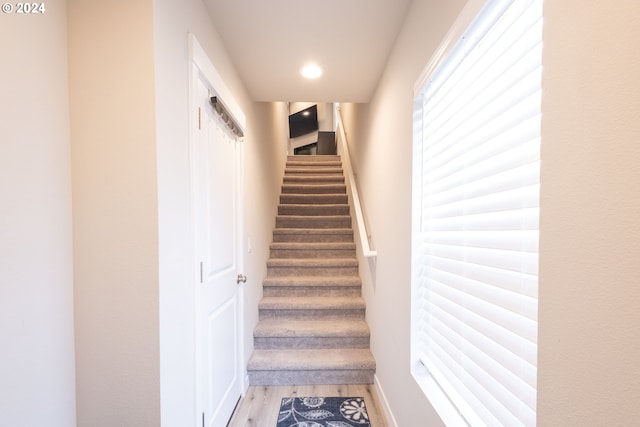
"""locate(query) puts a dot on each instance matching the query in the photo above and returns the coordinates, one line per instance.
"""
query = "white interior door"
(216, 171)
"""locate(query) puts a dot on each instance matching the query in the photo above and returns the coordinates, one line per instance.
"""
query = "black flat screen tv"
(303, 122)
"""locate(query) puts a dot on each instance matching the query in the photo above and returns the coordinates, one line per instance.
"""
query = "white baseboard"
(385, 404)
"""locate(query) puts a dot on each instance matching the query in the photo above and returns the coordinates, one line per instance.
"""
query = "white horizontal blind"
(475, 221)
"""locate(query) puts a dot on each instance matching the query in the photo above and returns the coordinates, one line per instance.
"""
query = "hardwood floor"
(260, 406)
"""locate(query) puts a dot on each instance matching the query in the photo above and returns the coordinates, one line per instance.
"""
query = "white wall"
(263, 165)
(589, 345)
(133, 294)
(172, 22)
(37, 378)
(115, 211)
(382, 156)
(264, 162)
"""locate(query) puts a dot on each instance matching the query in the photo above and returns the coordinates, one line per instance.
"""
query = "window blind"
(475, 217)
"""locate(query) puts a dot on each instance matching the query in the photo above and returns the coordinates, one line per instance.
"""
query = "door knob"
(241, 279)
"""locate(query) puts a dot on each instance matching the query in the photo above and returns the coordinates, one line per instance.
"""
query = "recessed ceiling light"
(311, 71)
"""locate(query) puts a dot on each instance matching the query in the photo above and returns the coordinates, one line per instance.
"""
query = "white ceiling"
(270, 40)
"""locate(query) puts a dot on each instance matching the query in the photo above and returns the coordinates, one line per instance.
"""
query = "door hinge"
(201, 272)
(199, 119)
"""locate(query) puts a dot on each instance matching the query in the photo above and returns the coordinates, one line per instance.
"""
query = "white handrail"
(357, 206)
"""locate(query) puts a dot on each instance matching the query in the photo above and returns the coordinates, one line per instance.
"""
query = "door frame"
(201, 68)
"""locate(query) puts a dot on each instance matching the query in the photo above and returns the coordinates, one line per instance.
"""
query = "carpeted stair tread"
(308, 221)
(315, 199)
(313, 170)
(312, 179)
(320, 158)
(313, 217)
(313, 159)
(300, 246)
(307, 281)
(313, 188)
(278, 328)
(312, 266)
(313, 250)
(297, 231)
(323, 163)
(312, 262)
(310, 303)
(313, 205)
(309, 209)
(307, 359)
(313, 235)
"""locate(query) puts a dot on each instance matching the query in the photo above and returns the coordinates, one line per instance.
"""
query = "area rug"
(323, 412)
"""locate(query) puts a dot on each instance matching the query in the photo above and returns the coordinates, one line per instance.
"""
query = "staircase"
(311, 327)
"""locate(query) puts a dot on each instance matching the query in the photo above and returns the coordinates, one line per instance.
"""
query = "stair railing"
(343, 150)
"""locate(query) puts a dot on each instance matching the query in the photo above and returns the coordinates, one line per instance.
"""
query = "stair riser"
(313, 179)
(312, 238)
(324, 161)
(313, 210)
(311, 291)
(313, 199)
(267, 378)
(297, 343)
(311, 253)
(313, 170)
(312, 271)
(289, 221)
(307, 168)
(313, 159)
(329, 162)
(314, 189)
(315, 176)
(309, 314)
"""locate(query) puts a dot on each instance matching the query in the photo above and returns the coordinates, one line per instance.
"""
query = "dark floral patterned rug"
(323, 412)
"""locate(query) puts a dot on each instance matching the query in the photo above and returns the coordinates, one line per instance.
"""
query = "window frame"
(448, 411)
